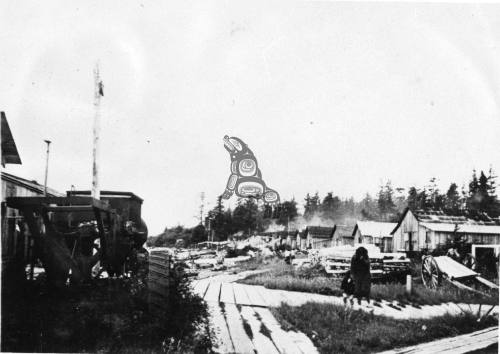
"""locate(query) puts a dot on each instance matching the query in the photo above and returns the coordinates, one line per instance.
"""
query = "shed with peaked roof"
(343, 235)
(319, 236)
(374, 233)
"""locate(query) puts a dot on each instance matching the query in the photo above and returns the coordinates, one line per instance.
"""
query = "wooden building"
(10, 154)
(374, 233)
(429, 230)
(12, 222)
(319, 236)
(343, 235)
(301, 243)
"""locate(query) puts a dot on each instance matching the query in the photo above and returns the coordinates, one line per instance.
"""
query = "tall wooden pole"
(46, 169)
(98, 93)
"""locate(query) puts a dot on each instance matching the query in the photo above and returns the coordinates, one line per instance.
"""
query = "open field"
(285, 277)
(338, 329)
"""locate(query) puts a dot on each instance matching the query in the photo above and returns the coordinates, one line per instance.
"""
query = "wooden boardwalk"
(227, 292)
(455, 345)
(249, 329)
(243, 322)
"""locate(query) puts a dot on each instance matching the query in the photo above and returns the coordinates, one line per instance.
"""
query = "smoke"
(300, 223)
(274, 227)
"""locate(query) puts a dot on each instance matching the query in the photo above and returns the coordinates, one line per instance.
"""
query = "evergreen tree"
(452, 201)
(245, 215)
(413, 198)
(307, 206)
(198, 234)
(288, 212)
(368, 208)
(330, 207)
(494, 203)
(385, 201)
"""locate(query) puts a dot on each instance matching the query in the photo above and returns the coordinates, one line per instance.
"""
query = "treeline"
(249, 215)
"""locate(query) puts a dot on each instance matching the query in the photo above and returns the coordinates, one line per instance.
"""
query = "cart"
(437, 270)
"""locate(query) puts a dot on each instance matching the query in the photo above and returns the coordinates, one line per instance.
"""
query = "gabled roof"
(33, 186)
(319, 231)
(342, 231)
(9, 149)
(374, 228)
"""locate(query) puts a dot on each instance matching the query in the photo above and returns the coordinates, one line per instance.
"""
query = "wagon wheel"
(469, 261)
(431, 275)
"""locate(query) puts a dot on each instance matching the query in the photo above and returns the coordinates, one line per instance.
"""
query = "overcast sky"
(329, 96)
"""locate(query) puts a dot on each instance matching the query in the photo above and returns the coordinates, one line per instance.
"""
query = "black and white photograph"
(255, 177)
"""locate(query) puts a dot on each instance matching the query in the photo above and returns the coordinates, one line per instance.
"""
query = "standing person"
(347, 287)
(360, 273)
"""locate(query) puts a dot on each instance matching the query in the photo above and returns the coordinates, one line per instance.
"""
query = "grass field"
(285, 277)
(337, 329)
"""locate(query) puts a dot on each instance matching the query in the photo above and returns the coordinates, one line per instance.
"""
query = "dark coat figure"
(347, 285)
(360, 273)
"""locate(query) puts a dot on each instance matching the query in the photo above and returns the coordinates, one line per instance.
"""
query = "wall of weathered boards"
(160, 268)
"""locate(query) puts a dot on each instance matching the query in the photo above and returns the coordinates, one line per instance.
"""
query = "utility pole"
(46, 169)
(202, 204)
(98, 93)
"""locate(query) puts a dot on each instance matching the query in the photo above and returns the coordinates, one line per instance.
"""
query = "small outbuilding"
(343, 235)
(374, 233)
(319, 236)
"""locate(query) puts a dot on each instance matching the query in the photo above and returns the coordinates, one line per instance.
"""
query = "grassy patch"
(423, 296)
(285, 277)
(336, 329)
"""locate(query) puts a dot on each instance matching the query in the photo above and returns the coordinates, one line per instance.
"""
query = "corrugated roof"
(440, 217)
(463, 228)
(375, 228)
(31, 185)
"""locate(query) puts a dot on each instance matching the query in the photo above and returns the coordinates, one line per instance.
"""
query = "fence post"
(408, 284)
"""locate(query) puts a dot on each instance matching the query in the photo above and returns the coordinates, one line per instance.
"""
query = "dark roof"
(109, 194)
(33, 186)
(344, 231)
(319, 231)
(9, 149)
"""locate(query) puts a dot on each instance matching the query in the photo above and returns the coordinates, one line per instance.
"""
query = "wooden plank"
(279, 337)
(253, 296)
(213, 292)
(227, 293)
(224, 343)
(274, 297)
(487, 283)
(241, 342)
(453, 269)
(262, 343)
(456, 345)
(240, 294)
(201, 288)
